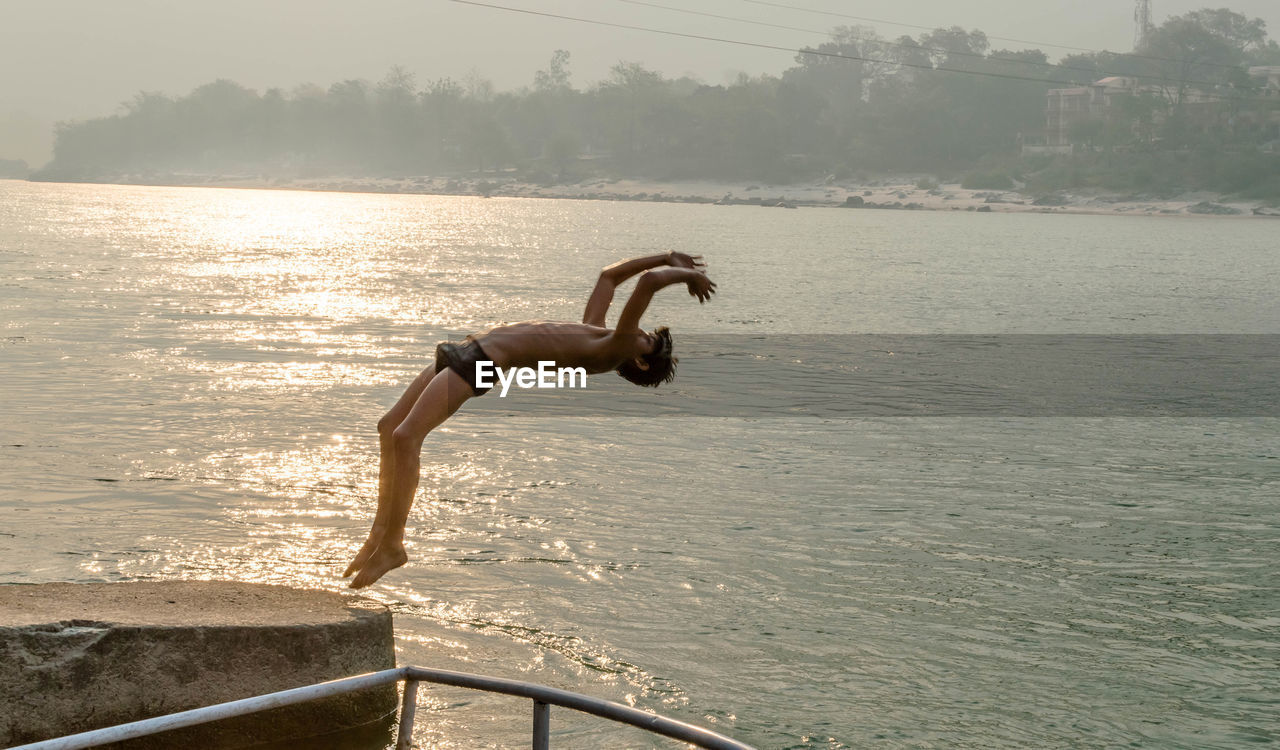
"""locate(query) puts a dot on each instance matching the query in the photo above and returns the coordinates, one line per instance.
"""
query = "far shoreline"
(894, 192)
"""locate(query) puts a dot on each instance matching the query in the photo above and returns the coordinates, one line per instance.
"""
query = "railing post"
(541, 726)
(404, 738)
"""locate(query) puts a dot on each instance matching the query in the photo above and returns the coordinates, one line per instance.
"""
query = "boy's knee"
(387, 425)
(404, 439)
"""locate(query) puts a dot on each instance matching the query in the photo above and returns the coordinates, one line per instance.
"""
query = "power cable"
(885, 43)
(1001, 38)
(761, 45)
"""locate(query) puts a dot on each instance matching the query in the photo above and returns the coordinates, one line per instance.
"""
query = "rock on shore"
(75, 657)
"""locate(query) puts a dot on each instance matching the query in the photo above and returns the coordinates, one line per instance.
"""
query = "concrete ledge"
(75, 657)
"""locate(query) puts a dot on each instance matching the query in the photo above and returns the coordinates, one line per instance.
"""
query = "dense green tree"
(443, 103)
(398, 138)
(555, 78)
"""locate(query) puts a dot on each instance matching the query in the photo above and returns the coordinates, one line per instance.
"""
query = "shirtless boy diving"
(643, 358)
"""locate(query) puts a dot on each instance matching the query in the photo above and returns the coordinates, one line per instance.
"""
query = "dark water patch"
(1012, 375)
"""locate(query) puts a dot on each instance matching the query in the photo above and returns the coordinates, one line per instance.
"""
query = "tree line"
(943, 101)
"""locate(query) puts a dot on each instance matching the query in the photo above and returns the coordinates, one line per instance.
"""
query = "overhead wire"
(774, 4)
(914, 47)
(739, 42)
(835, 14)
(779, 48)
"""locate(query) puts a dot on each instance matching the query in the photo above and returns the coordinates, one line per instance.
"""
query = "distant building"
(1268, 76)
(1068, 110)
(1266, 117)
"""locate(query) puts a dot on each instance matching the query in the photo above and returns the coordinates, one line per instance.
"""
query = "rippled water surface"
(191, 379)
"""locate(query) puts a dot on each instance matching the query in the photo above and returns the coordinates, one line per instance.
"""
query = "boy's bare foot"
(362, 557)
(388, 556)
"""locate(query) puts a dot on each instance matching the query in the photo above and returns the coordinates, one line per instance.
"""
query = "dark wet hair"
(662, 366)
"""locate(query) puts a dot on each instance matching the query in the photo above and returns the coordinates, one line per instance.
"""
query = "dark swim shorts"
(462, 359)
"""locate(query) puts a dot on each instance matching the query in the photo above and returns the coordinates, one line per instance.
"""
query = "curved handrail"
(542, 696)
(586, 704)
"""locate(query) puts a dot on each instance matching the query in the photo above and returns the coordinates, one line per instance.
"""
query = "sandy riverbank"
(899, 193)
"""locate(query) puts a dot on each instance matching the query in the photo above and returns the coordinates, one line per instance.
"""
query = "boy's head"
(658, 366)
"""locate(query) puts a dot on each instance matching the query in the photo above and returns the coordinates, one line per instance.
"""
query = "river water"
(191, 379)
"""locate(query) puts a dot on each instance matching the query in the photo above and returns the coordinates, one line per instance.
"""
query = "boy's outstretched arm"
(699, 284)
(612, 276)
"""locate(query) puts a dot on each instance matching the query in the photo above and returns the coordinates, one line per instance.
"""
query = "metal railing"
(543, 698)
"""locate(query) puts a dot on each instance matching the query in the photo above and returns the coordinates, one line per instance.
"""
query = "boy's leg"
(443, 395)
(386, 463)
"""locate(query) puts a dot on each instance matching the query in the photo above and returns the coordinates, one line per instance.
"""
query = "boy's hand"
(702, 287)
(681, 260)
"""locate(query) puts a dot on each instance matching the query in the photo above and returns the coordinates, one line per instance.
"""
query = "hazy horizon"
(76, 59)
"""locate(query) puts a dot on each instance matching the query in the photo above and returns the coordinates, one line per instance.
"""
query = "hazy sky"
(64, 59)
